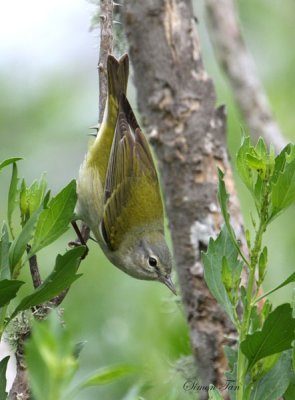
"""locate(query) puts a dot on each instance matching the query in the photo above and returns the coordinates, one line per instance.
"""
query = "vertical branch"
(176, 98)
(239, 67)
(106, 46)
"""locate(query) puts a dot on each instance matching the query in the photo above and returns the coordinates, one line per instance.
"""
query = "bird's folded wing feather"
(132, 193)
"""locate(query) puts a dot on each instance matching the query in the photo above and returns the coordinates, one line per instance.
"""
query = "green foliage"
(52, 364)
(220, 251)
(214, 393)
(3, 367)
(107, 375)
(50, 359)
(8, 290)
(275, 336)
(51, 355)
(61, 278)
(41, 222)
(275, 383)
(55, 218)
(265, 335)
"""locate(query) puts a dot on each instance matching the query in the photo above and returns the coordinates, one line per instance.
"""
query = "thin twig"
(106, 46)
(239, 67)
(34, 269)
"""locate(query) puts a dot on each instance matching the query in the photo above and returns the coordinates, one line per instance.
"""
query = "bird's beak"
(168, 282)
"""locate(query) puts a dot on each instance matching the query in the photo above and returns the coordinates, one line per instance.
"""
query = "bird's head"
(146, 256)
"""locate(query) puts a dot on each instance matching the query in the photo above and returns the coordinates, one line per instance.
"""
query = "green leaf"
(283, 190)
(9, 161)
(231, 355)
(255, 319)
(290, 392)
(54, 220)
(255, 162)
(223, 201)
(242, 165)
(49, 358)
(214, 393)
(280, 162)
(274, 384)
(19, 244)
(3, 368)
(219, 249)
(31, 197)
(61, 278)
(262, 367)
(226, 276)
(290, 279)
(231, 382)
(12, 196)
(262, 263)
(4, 254)
(8, 290)
(276, 335)
(107, 375)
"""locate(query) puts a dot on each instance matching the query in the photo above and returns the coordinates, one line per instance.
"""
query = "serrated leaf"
(54, 220)
(4, 254)
(8, 290)
(9, 161)
(231, 355)
(214, 393)
(274, 384)
(12, 193)
(107, 375)
(212, 260)
(283, 190)
(19, 244)
(3, 368)
(231, 382)
(280, 162)
(61, 278)
(276, 335)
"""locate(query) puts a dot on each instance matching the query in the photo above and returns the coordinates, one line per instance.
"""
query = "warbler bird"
(118, 189)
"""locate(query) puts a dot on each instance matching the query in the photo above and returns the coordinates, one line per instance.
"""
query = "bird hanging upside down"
(118, 189)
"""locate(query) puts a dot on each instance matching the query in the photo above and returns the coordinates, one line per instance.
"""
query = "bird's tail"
(118, 71)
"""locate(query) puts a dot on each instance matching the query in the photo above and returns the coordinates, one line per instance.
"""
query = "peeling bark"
(177, 103)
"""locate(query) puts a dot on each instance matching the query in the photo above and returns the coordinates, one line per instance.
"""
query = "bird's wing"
(132, 193)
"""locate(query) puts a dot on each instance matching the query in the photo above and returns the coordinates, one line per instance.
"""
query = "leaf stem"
(242, 360)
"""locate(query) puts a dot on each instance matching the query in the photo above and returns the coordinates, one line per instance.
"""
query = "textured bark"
(20, 388)
(105, 48)
(239, 67)
(177, 99)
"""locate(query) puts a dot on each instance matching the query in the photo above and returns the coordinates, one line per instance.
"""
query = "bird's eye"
(153, 261)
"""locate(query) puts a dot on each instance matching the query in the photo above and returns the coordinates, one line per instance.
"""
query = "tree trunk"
(177, 103)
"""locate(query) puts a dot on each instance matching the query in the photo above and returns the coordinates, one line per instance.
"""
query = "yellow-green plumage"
(118, 190)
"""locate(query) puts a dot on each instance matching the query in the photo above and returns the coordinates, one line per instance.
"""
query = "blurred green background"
(48, 99)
